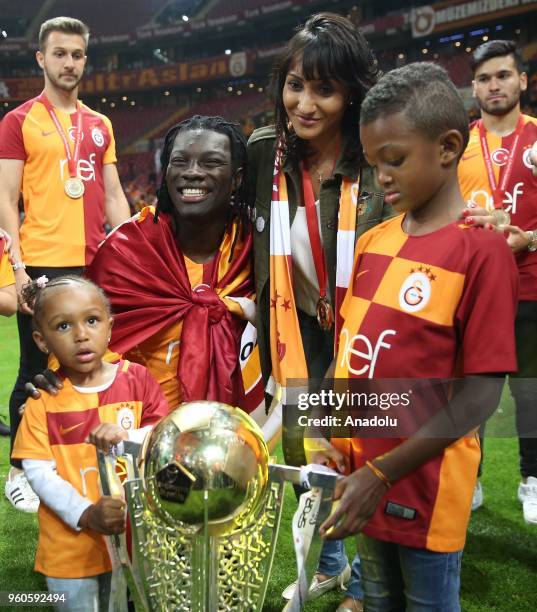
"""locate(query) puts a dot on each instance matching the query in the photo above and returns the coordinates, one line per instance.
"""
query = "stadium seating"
(106, 18)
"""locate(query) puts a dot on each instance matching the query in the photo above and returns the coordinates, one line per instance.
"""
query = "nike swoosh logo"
(466, 157)
(47, 133)
(66, 430)
(362, 272)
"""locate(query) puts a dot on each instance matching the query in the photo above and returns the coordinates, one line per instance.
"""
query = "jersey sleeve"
(7, 277)
(11, 139)
(155, 405)
(486, 314)
(110, 153)
(32, 441)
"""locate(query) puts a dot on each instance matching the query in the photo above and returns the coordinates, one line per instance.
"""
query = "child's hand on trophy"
(106, 435)
(107, 516)
(359, 495)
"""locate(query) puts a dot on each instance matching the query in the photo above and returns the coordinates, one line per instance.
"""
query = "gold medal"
(325, 314)
(74, 187)
(501, 216)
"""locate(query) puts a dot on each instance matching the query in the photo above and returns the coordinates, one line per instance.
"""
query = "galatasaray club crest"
(237, 64)
(125, 418)
(97, 136)
(415, 292)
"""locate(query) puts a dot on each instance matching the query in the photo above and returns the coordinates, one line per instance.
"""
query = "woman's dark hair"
(331, 47)
(35, 292)
(242, 205)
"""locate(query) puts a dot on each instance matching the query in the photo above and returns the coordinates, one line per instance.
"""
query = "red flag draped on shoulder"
(143, 273)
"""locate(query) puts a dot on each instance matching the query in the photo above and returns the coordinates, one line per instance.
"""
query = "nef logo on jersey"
(415, 292)
(359, 354)
(97, 136)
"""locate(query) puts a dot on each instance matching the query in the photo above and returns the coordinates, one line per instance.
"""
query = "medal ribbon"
(498, 191)
(72, 159)
(313, 230)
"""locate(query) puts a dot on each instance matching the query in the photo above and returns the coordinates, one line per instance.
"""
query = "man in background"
(60, 155)
(495, 173)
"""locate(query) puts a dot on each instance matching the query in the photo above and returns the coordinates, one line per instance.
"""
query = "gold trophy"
(204, 507)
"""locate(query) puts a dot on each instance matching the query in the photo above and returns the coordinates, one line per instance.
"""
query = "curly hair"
(331, 48)
(34, 293)
(242, 206)
(425, 94)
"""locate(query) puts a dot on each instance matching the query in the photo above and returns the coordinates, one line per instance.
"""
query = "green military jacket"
(371, 211)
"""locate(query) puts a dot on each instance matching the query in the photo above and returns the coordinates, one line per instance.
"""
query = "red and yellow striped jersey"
(421, 307)
(520, 199)
(55, 428)
(58, 231)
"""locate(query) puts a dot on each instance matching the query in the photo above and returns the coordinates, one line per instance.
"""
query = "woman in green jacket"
(314, 196)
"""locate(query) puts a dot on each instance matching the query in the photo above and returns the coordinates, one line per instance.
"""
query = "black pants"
(32, 360)
(523, 387)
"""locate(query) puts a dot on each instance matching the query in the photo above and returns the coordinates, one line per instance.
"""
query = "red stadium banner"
(231, 66)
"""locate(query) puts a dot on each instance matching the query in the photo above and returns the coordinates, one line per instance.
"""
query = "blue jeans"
(90, 594)
(396, 577)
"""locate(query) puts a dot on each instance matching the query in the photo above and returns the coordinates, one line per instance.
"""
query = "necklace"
(326, 168)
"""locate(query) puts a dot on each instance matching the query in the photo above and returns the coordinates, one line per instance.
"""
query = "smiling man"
(179, 278)
(61, 156)
(495, 172)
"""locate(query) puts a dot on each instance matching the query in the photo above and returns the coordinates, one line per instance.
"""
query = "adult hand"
(517, 239)
(359, 495)
(107, 516)
(47, 381)
(106, 434)
(7, 245)
(478, 217)
(21, 279)
(329, 455)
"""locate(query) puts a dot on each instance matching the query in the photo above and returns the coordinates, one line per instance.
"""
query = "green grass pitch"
(499, 567)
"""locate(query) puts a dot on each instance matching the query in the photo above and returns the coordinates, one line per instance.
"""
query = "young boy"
(436, 299)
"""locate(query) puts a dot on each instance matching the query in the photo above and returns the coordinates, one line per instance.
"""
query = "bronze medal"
(501, 216)
(325, 314)
(74, 187)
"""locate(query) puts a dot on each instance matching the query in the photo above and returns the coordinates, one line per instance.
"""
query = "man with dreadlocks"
(179, 278)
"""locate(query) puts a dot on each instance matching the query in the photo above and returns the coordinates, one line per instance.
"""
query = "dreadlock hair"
(241, 207)
(35, 293)
(331, 47)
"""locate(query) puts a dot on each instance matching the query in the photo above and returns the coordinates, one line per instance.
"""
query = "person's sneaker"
(527, 494)
(477, 498)
(20, 493)
(319, 588)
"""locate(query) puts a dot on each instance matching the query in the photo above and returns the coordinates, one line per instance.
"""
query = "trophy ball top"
(206, 461)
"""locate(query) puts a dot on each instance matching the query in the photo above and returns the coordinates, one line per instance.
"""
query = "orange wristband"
(379, 474)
